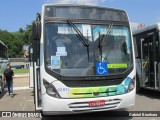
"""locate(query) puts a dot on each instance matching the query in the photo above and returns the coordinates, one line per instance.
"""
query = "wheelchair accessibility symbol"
(101, 68)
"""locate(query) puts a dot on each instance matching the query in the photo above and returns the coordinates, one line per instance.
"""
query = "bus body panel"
(67, 92)
(61, 106)
(55, 106)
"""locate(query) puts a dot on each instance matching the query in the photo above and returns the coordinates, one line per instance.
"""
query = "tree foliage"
(16, 40)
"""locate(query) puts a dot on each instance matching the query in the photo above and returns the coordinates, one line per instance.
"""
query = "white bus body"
(95, 68)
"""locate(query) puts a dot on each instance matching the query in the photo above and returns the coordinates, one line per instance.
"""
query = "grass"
(20, 71)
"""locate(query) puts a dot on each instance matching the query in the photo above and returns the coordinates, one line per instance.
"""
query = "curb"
(19, 88)
(21, 75)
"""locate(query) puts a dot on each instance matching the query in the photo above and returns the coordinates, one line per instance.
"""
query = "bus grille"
(84, 106)
(89, 83)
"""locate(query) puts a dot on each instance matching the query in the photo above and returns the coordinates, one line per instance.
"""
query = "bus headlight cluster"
(50, 89)
(131, 85)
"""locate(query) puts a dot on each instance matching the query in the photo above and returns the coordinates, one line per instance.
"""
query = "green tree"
(16, 40)
(8, 39)
(21, 30)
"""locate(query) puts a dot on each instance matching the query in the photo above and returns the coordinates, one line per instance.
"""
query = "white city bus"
(83, 58)
(148, 60)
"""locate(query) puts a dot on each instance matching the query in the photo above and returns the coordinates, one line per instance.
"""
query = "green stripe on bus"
(120, 65)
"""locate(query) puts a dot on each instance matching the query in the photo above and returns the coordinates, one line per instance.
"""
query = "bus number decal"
(63, 89)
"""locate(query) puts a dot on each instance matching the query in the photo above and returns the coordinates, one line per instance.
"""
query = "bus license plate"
(97, 103)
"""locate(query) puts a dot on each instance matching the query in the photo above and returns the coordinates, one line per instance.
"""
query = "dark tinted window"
(85, 13)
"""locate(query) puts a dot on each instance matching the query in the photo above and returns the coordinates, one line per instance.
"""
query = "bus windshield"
(66, 55)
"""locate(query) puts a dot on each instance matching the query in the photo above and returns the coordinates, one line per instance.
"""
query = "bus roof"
(150, 27)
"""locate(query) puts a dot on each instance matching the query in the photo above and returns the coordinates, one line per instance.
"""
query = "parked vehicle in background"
(148, 59)
(3, 63)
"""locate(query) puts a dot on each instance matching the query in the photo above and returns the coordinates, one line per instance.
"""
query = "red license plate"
(96, 103)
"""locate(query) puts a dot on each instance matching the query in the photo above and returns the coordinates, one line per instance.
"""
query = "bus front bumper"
(54, 106)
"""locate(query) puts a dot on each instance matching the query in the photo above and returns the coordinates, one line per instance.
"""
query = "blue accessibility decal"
(101, 68)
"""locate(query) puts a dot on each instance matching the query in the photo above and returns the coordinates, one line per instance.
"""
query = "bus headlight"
(50, 89)
(131, 85)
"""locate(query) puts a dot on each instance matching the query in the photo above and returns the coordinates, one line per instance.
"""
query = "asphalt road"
(23, 101)
(146, 102)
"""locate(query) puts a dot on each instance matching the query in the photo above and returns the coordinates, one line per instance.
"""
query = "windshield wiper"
(80, 36)
(104, 37)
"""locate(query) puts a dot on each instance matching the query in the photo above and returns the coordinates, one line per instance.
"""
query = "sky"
(15, 14)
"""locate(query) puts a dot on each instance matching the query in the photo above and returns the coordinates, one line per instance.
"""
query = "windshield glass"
(107, 53)
(115, 47)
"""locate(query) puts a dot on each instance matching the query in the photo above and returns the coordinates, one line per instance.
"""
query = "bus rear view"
(83, 59)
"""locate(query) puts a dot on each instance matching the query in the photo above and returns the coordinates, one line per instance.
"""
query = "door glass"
(39, 95)
(148, 62)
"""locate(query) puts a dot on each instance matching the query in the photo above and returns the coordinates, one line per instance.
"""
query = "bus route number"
(63, 89)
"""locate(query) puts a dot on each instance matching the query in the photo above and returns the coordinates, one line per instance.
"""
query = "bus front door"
(149, 49)
(37, 88)
(31, 67)
(36, 75)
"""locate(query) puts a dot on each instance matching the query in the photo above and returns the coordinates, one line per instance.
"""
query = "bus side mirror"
(135, 47)
(36, 28)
